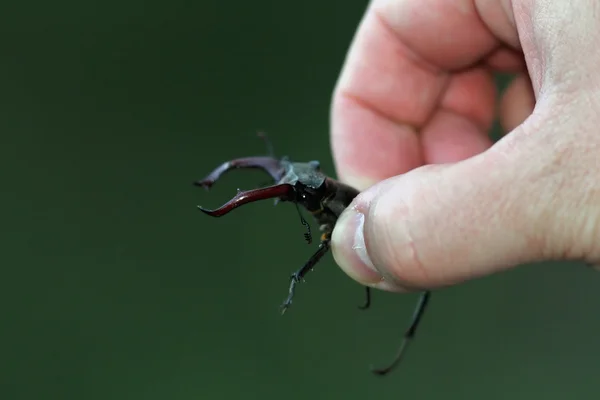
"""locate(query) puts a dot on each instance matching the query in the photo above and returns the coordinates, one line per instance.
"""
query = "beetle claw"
(270, 165)
(283, 308)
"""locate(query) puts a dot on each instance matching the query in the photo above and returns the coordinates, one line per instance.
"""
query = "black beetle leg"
(408, 335)
(299, 275)
(265, 138)
(367, 302)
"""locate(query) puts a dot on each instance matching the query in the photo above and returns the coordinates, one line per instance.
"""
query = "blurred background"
(115, 287)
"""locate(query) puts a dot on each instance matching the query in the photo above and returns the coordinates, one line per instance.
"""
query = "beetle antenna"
(308, 233)
(265, 138)
(408, 335)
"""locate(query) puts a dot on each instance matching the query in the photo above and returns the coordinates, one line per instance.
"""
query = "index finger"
(395, 75)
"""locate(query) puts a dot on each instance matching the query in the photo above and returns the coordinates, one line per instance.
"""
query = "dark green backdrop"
(115, 287)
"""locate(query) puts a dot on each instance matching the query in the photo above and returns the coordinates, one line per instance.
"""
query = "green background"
(115, 287)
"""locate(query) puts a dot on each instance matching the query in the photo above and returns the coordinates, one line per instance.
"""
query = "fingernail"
(349, 249)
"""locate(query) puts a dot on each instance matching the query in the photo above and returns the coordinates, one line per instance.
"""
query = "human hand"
(417, 90)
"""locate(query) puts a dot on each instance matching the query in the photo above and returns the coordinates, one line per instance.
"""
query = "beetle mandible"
(304, 184)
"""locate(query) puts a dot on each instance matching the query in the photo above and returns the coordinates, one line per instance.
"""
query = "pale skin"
(410, 117)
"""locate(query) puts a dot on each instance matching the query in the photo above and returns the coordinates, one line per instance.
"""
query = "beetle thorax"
(306, 174)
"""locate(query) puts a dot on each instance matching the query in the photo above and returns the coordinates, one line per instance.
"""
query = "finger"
(505, 59)
(459, 128)
(517, 102)
(368, 146)
(394, 77)
(439, 225)
(450, 34)
(450, 137)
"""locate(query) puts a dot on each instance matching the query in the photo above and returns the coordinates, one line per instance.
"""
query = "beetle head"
(302, 183)
(308, 182)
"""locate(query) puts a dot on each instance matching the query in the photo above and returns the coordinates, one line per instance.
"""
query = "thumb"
(442, 224)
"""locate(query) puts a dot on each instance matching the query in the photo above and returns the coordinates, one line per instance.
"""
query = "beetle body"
(324, 197)
(304, 184)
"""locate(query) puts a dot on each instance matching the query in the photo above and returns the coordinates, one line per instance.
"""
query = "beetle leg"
(269, 164)
(367, 302)
(408, 335)
(265, 138)
(301, 273)
(283, 191)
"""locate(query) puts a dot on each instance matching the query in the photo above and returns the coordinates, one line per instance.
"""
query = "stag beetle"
(304, 184)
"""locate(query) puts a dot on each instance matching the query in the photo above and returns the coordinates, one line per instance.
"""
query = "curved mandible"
(283, 191)
(272, 166)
